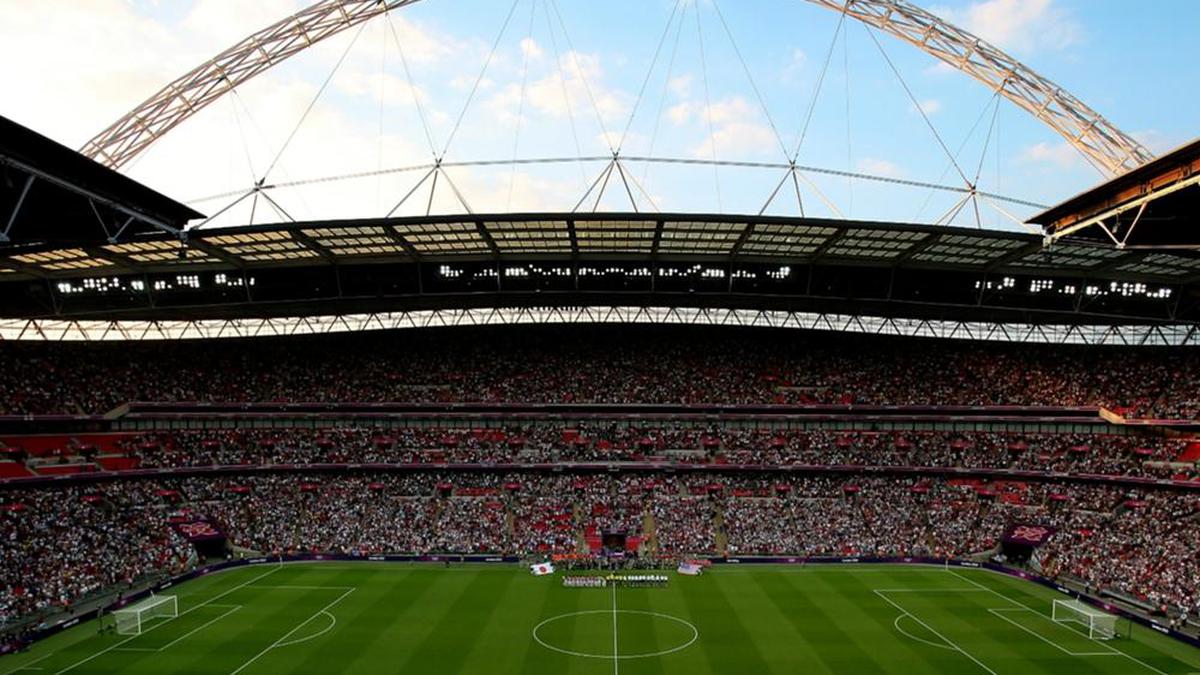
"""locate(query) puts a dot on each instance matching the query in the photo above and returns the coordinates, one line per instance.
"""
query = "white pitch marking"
(1021, 604)
(277, 643)
(187, 611)
(199, 628)
(896, 625)
(306, 638)
(928, 590)
(305, 588)
(931, 630)
(616, 654)
(1043, 638)
(695, 634)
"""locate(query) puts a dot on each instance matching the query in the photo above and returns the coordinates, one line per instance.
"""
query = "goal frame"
(1100, 625)
(131, 620)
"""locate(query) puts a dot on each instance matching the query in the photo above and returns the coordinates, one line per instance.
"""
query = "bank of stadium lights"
(102, 285)
(537, 271)
(1002, 284)
(225, 280)
(1041, 286)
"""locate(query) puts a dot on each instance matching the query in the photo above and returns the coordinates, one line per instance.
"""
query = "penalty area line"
(929, 628)
(1000, 613)
(1021, 604)
(181, 638)
(282, 640)
(187, 611)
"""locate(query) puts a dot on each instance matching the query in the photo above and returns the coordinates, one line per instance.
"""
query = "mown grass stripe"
(727, 643)
(825, 608)
(450, 641)
(555, 602)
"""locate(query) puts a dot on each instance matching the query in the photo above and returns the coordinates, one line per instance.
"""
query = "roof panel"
(547, 236)
(1068, 257)
(62, 259)
(160, 252)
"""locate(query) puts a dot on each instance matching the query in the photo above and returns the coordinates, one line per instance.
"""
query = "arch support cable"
(1106, 146)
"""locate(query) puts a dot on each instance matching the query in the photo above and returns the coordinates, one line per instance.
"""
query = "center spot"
(640, 634)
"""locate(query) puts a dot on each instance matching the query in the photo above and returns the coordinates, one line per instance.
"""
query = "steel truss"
(1103, 144)
(170, 106)
(1106, 146)
(1143, 335)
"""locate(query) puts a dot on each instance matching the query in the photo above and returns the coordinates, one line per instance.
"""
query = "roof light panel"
(700, 237)
(786, 239)
(164, 251)
(1068, 256)
(539, 236)
(62, 259)
(875, 243)
(263, 246)
(454, 237)
(613, 235)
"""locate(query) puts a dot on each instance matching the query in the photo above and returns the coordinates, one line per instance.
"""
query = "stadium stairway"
(649, 531)
(510, 526)
(581, 543)
(720, 539)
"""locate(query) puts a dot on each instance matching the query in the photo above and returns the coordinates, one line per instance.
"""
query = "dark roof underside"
(58, 204)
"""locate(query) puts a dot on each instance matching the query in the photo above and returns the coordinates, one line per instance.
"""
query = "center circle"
(686, 631)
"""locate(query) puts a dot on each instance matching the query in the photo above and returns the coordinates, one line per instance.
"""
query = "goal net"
(1100, 625)
(132, 620)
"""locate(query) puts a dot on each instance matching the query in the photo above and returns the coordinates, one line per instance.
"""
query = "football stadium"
(540, 336)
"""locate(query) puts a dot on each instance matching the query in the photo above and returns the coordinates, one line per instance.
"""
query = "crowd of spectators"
(63, 543)
(1107, 454)
(603, 364)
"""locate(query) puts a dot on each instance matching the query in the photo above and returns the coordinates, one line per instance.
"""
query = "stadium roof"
(89, 245)
(50, 194)
(606, 236)
(1154, 205)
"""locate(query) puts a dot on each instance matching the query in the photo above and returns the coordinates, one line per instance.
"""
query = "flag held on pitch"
(541, 569)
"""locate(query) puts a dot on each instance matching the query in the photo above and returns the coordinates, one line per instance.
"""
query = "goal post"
(133, 620)
(1100, 625)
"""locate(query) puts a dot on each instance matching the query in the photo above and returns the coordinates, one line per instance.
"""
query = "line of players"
(619, 580)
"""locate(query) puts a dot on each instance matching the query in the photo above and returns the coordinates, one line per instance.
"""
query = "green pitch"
(390, 618)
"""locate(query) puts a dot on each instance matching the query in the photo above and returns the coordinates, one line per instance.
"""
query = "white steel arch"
(1106, 146)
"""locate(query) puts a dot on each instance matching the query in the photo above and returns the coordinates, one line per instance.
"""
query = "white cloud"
(680, 113)
(225, 22)
(681, 85)
(1061, 155)
(531, 49)
(583, 80)
(737, 130)
(795, 65)
(879, 167)
(1156, 141)
(737, 139)
(1018, 25)
(930, 106)
(396, 92)
(88, 65)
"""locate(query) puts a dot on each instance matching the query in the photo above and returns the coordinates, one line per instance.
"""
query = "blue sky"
(87, 62)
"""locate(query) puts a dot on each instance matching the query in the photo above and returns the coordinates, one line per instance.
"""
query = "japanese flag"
(541, 569)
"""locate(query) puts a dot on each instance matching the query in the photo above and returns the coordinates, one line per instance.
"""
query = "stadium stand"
(597, 365)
